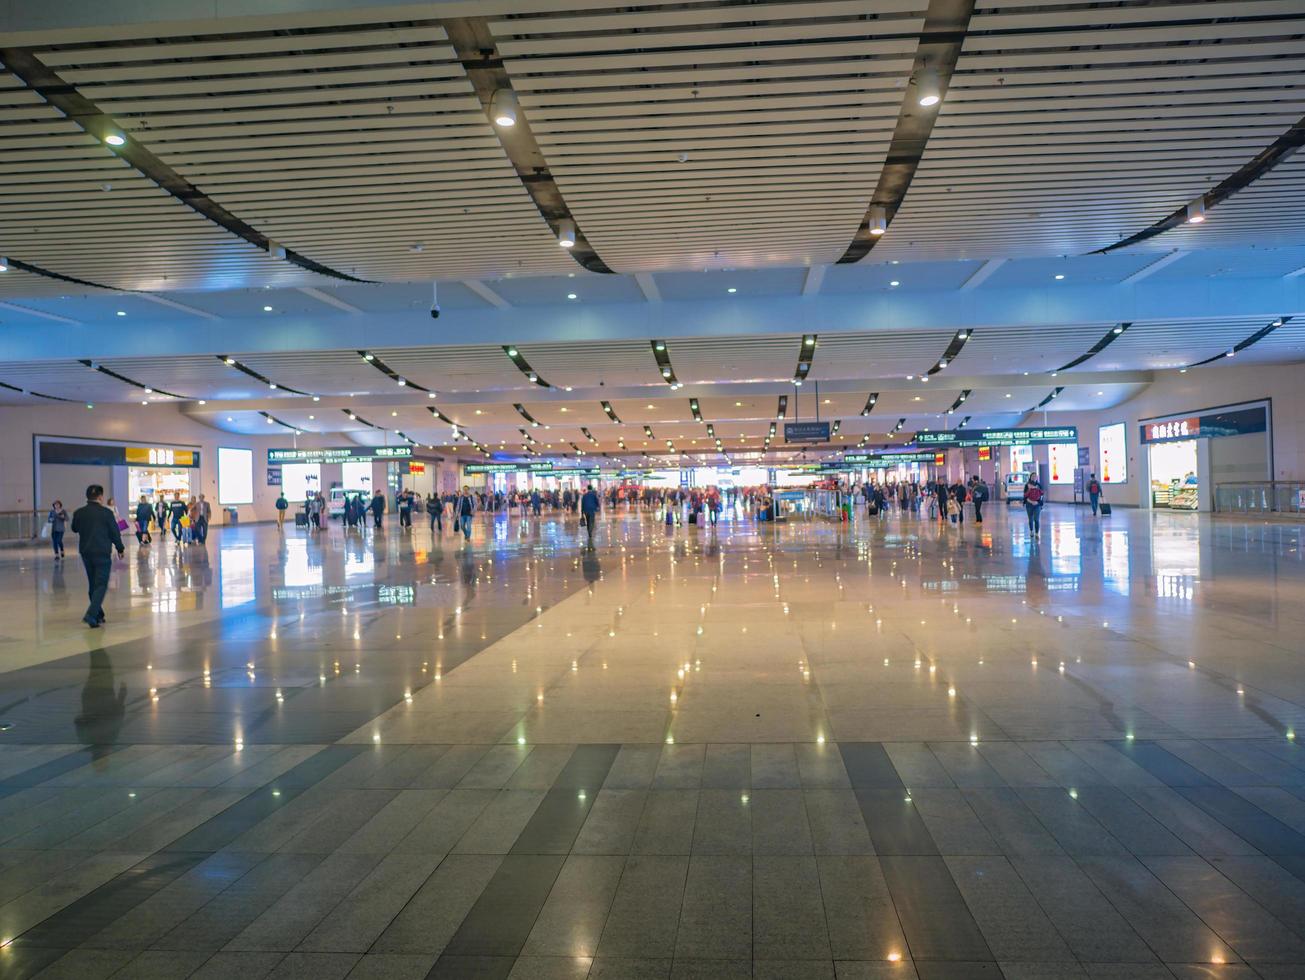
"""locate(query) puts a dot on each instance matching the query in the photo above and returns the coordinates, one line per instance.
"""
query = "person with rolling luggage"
(1094, 493)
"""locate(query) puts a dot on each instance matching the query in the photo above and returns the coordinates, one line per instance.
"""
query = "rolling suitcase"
(1104, 508)
(301, 520)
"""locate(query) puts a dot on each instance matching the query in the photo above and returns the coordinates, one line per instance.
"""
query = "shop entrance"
(1174, 481)
(154, 480)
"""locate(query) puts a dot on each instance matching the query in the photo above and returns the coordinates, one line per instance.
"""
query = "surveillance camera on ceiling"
(434, 312)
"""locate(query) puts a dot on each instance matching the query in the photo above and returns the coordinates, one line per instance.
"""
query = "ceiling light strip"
(1049, 399)
(245, 369)
(960, 400)
(514, 355)
(389, 372)
(781, 410)
(954, 348)
(64, 97)
(272, 418)
(148, 389)
(663, 357)
(610, 412)
(1250, 341)
(1113, 334)
(945, 25)
(805, 353)
(477, 51)
(870, 403)
(1255, 168)
(38, 394)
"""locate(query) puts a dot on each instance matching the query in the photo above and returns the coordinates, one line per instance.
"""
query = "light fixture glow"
(1196, 211)
(930, 94)
(878, 220)
(566, 233)
(503, 108)
(115, 139)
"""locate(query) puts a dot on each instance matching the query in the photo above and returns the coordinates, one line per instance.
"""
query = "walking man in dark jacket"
(96, 528)
(589, 511)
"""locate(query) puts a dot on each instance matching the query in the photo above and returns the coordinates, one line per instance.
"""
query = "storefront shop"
(1188, 455)
(65, 467)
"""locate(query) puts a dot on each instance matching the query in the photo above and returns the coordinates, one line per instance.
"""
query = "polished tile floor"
(887, 750)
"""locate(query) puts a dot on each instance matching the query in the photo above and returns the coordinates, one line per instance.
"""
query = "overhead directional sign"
(889, 459)
(337, 454)
(997, 437)
(806, 431)
(540, 467)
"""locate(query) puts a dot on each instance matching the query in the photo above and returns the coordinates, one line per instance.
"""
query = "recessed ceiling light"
(731, 290)
(570, 296)
(115, 139)
(503, 107)
(1100, 392)
(1008, 394)
(122, 313)
(267, 309)
(1060, 275)
(894, 283)
(929, 92)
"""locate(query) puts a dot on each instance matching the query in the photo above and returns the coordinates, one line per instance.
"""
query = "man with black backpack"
(979, 496)
(1094, 492)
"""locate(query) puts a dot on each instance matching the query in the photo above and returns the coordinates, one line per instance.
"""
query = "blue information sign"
(806, 431)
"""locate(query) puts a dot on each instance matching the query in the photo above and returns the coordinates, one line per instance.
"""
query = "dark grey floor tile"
(1128, 823)
(723, 823)
(633, 767)
(393, 822)
(820, 766)
(859, 911)
(493, 769)
(869, 767)
(646, 909)
(472, 968)
(246, 966)
(793, 970)
(542, 767)
(666, 824)
(954, 827)
(716, 917)
(966, 765)
(392, 966)
(1189, 823)
(894, 823)
(439, 831)
(1092, 927)
(1246, 820)
(447, 771)
(727, 767)
(1013, 924)
(314, 966)
(1271, 885)
(161, 964)
(1072, 825)
(1163, 764)
(629, 968)
(1172, 931)
(87, 964)
(403, 766)
(937, 923)
(550, 968)
(433, 915)
(496, 829)
(217, 922)
(680, 767)
(571, 921)
(501, 920)
(1013, 826)
(775, 767)
(287, 921)
(837, 826)
(612, 822)
(1237, 919)
(363, 914)
(687, 969)
(779, 822)
(788, 919)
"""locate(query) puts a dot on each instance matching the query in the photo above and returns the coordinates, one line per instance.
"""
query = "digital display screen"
(235, 476)
(299, 478)
(1112, 451)
(1062, 458)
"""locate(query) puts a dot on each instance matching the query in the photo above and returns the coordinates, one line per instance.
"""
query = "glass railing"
(1277, 497)
(15, 525)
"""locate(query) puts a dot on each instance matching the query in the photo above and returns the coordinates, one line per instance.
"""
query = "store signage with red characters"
(939, 459)
(415, 467)
(985, 454)
(1172, 429)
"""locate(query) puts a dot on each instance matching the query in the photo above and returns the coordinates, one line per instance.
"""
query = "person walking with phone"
(97, 532)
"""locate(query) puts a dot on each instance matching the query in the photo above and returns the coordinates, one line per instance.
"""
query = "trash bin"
(233, 515)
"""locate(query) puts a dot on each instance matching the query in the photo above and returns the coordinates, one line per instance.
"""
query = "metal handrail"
(16, 525)
(1260, 497)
